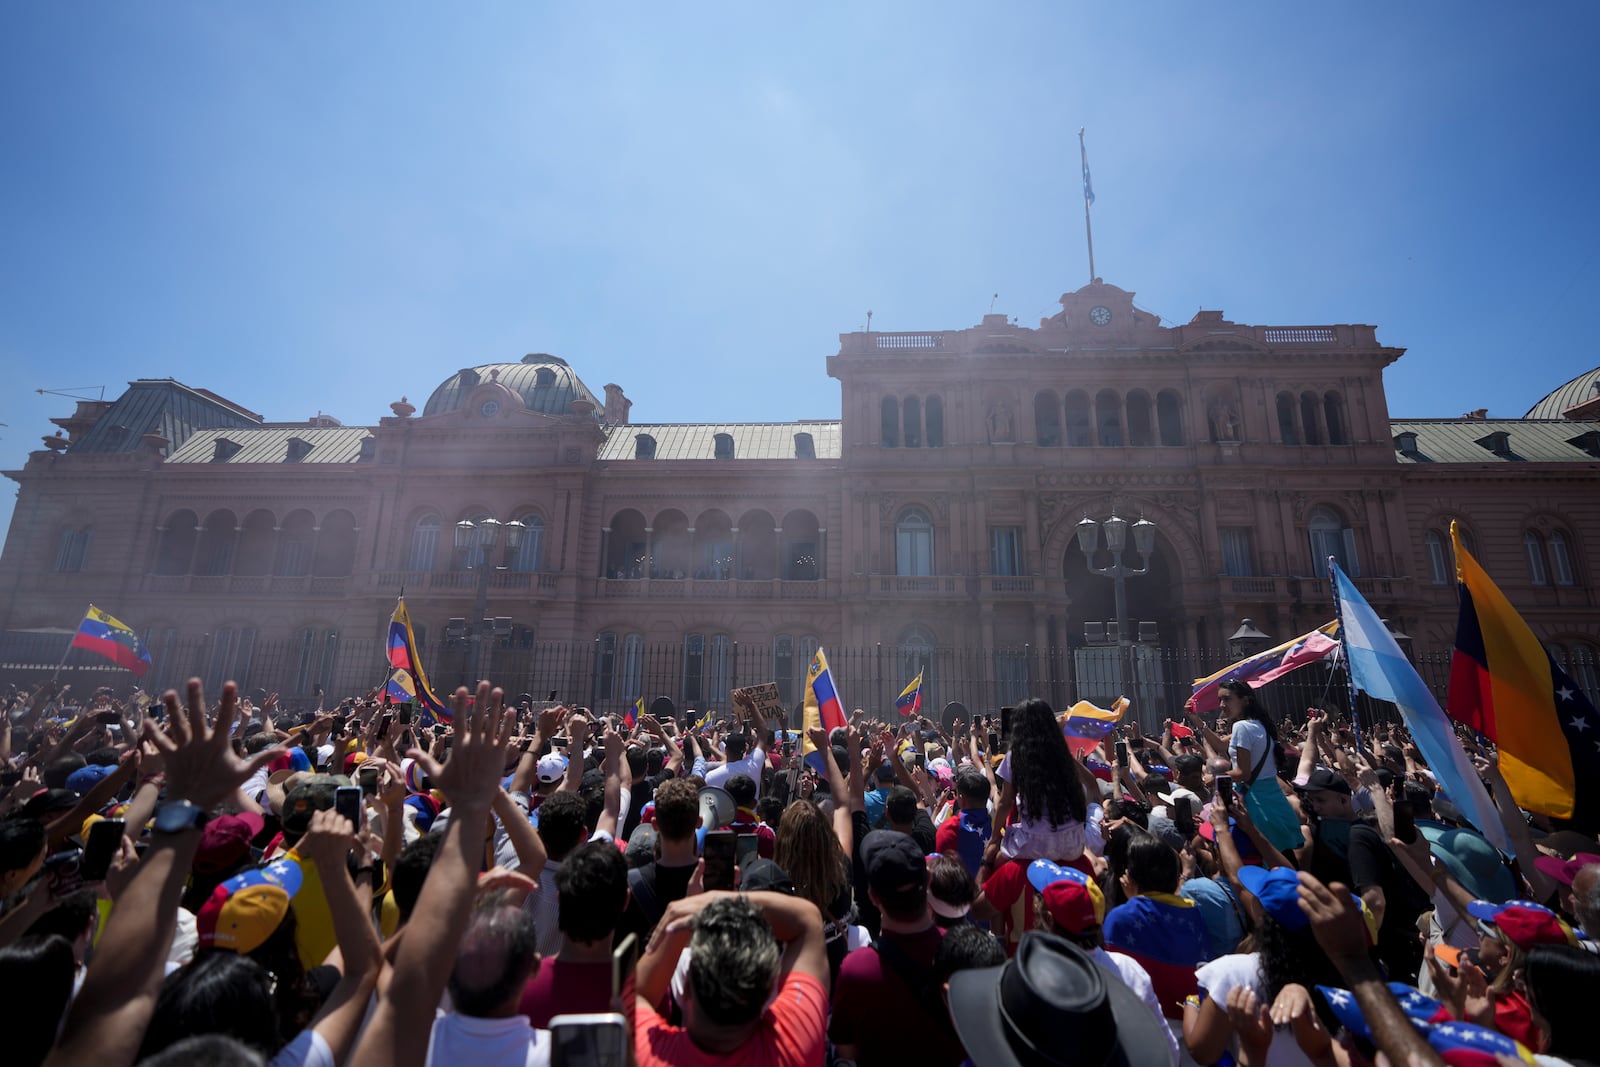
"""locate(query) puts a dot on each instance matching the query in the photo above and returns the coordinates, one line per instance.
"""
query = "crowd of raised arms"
(205, 880)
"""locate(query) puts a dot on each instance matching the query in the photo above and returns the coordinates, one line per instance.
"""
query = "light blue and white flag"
(1381, 670)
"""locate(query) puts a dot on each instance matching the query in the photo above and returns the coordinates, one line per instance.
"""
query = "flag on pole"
(1264, 667)
(116, 641)
(401, 686)
(910, 699)
(822, 708)
(403, 657)
(630, 718)
(700, 724)
(1084, 725)
(1506, 687)
(1379, 669)
(1088, 187)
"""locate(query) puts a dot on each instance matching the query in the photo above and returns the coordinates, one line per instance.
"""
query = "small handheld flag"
(404, 659)
(116, 641)
(630, 718)
(910, 699)
(1085, 726)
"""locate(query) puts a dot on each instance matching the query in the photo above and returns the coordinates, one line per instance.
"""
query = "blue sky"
(324, 207)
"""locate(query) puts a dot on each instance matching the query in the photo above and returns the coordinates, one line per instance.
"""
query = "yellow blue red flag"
(404, 659)
(116, 641)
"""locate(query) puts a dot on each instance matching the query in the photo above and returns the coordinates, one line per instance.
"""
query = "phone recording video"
(347, 803)
(720, 852)
(1224, 791)
(747, 850)
(100, 848)
(596, 1040)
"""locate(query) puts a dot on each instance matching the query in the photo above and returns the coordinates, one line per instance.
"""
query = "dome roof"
(1584, 387)
(544, 382)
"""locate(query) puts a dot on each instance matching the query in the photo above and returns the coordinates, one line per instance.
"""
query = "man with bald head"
(1586, 899)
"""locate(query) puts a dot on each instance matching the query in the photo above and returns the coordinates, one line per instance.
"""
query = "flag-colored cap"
(1073, 899)
(243, 912)
(1523, 923)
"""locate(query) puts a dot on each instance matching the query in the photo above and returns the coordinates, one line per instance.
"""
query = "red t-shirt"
(564, 988)
(793, 1031)
(878, 1013)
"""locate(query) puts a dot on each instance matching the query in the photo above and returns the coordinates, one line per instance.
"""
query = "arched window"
(723, 447)
(215, 554)
(783, 669)
(336, 546)
(1108, 417)
(1438, 561)
(1308, 418)
(178, 538)
(1080, 428)
(72, 549)
(1141, 431)
(911, 422)
(1330, 537)
(933, 422)
(1561, 559)
(805, 446)
(1533, 545)
(1333, 411)
(1046, 419)
(1286, 428)
(891, 422)
(644, 446)
(913, 543)
(295, 541)
(424, 544)
(544, 378)
(531, 552)
(1169, 416)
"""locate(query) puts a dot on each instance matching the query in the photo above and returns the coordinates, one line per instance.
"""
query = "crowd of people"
(188, 881)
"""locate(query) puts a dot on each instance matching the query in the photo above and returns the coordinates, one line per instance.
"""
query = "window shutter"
(1352, 563)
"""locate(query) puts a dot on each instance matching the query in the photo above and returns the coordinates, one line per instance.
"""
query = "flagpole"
(1350, 682)
(68, 650)
(1088, 195)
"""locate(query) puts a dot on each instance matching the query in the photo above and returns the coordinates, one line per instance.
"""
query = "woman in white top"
(1253, 746)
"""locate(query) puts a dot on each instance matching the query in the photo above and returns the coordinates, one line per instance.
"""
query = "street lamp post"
(1144, 542)
(476, 541)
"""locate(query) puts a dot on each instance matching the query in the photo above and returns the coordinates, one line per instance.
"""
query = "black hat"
(765, 874)
(48, 801)
(1053, 1004)
(893, 861)
(1324, 780)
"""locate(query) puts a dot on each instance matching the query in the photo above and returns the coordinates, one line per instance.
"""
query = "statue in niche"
(1225, 421)
(999, 421)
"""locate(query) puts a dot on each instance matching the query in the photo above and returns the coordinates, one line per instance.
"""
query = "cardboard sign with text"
(762, 698)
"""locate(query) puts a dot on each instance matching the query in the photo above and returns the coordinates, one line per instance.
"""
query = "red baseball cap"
(225, 841)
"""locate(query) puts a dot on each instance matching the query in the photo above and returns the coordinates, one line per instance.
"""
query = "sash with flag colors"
(822, 708)
(910, 699)
(1267, 666)
(1506, 687)
(116, 641)
(1085, 725)
(405, 661)
(1379, 669)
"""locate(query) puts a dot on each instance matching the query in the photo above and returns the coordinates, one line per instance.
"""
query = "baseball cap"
(1468, 1045)
(552, 766)
(885, 772)
(311, 794)
(1524, 923)
(242, 912)
(86, 778)
(225, 841)
(46, 801)
(1278, 889)
(765, 874)
(893, 861)
(1322, 779)
(352, 760)
(1072, 898)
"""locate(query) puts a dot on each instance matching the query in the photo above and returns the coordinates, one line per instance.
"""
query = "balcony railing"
(246, 584)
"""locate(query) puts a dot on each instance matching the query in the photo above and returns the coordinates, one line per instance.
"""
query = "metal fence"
(696, 672)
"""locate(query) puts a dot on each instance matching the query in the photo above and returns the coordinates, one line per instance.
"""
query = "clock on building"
(489, 409)
(1100, 315)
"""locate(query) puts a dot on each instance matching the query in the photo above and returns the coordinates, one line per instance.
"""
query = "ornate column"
(605, 551)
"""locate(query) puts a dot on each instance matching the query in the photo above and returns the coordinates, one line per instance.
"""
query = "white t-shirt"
(308, 1049)
(751, 764)
(1251, 736)
(462, 1039)
(1218, 978)
(1136, 978)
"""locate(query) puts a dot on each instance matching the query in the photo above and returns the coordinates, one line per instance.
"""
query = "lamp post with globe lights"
(1116, 531)
(477, 542)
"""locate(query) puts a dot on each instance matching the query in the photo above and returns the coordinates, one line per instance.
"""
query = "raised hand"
(471, 775)
(200, 763)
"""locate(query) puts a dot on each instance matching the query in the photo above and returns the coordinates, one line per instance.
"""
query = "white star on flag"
(1578, 723)
(1564, 693)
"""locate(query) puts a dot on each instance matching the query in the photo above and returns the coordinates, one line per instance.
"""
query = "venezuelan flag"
(822, 707)
(630, 718)
(1264, 667)
(1085, 726)
(910, 699)
(116, 641)
(1505, 686)
(403, 658)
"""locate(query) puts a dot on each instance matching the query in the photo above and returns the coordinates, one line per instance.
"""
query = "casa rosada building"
(933, 526)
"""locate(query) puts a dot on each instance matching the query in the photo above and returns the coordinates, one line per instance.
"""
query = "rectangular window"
(1438, 566)
(632, 667)
(302, 675)
(783, 668)
(216, 667)
(242, 654)
(1560, 561)
(1535, 550)
(424, 547)
(1237, 559)
(1011, 677)
(1005, 550)
(605, 667)
(719, 674)
(914, 551)
(694, 670)
(330, 659)
(1341, 545)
